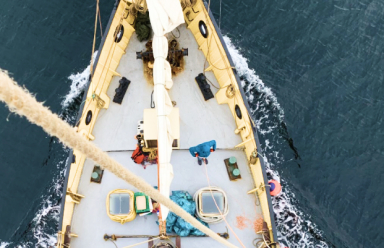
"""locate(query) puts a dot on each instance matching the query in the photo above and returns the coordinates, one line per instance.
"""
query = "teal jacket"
(204, 149)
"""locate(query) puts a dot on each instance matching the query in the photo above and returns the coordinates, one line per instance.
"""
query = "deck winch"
(174, 57)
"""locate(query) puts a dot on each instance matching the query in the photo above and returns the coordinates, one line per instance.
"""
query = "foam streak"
(44, 225)
(294, 227)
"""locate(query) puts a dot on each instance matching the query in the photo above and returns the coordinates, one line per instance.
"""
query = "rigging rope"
(220, 16)
(101, 26)
(207, 59)
(209, 41)
(187, 3)
(109, 50)
(144, 242)
(21, 102)
(94, 38)
(138, 6)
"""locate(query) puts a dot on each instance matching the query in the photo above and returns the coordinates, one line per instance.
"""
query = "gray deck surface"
(200, 121)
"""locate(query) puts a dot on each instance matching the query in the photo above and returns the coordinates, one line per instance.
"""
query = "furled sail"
(165, 15)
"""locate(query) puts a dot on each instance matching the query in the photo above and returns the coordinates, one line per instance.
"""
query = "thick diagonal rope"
(21, 102)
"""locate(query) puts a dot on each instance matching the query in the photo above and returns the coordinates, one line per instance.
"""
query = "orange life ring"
(274, 187)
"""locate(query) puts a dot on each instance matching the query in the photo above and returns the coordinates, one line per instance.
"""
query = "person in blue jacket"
(203, 150)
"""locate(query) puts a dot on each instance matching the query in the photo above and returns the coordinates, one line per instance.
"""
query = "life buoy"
(274, 187)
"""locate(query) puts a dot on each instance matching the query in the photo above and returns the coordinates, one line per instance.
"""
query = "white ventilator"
(165, 15)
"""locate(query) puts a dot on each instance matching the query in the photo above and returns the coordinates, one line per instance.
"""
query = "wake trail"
(293, 226)
(43, 228)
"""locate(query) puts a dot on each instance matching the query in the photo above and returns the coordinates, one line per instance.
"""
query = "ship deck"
(200, 121)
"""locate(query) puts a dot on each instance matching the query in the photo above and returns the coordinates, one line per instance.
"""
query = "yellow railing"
(228, 93)
(108, 61)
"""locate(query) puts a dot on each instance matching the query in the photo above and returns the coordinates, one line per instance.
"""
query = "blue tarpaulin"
(177, 225)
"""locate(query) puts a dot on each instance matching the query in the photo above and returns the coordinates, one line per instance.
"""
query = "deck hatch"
(208, 205)
(211, 204)
(119, 203)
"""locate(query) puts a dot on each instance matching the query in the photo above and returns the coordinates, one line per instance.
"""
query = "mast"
(164, 15)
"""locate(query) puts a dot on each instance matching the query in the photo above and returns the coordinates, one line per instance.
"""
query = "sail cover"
(165, 15)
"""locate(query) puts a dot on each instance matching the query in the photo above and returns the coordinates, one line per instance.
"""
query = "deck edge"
(80, 112)
(218, 31)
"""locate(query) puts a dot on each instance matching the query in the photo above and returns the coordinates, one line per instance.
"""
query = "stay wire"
(220, 16)
(207, 57)
(91, 69)
(140, 243)
(101, 26)
(113, 242)
(114, 47)
(94, 38)
(212, 83)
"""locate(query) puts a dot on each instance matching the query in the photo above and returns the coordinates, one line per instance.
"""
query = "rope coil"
(138, 6)
(187, 3)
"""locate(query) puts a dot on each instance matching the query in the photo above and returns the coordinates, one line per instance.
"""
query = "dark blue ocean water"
(313, 74)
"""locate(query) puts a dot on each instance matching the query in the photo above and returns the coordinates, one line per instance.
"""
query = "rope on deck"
(23, 103)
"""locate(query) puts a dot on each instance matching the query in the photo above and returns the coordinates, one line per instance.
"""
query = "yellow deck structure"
(112, 128)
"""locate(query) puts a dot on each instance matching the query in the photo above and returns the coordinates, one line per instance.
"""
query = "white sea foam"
(292, 224)
(49, 207)
(49, 211)
(79, 81)
(4, 244)
(255, 82)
